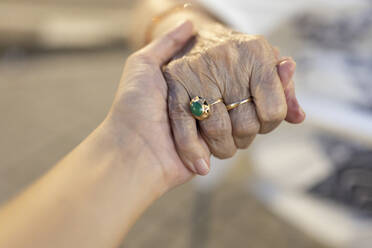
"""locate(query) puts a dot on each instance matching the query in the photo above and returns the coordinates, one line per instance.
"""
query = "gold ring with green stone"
(200, 108)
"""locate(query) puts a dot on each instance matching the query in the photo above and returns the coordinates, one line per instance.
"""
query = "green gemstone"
(196, 109)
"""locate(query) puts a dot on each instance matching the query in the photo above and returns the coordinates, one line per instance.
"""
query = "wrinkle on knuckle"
(217, 129)
(244, 143)
(274, 115)
(246, 128)
(265, 80)
(171, 66)
(268, 127)
(255, 43)
(260, 50)
(224, 153)
(181, 72)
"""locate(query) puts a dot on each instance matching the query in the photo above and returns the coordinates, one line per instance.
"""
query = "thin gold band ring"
(237, 104)
(217, 101)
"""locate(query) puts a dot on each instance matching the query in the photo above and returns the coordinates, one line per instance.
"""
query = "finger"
(244, 121)
(245, 124)
(217, 132)
(286, 70)
(164, 48)
(269, 98)
(190, 146)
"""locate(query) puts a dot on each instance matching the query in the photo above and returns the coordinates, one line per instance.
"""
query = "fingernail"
(202, 167)
(192, 168)
(289, 64)
(183, 23)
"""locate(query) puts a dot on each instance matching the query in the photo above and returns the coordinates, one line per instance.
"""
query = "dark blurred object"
(349, 36)
(351, 182)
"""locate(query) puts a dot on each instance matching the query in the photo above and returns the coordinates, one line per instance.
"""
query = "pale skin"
(94, 195)
(222, 63)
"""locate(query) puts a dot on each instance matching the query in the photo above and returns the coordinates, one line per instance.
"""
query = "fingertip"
(303, 114)
(187, 25)
(296, 116)
(288, 64)
(184, 30)
(286, 70)
(202, 167)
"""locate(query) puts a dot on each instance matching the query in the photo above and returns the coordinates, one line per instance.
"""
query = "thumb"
(165, 47)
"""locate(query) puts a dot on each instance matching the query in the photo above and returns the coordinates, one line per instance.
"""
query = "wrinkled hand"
(221, 63)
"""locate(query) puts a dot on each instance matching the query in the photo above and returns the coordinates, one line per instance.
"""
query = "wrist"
(128, 152)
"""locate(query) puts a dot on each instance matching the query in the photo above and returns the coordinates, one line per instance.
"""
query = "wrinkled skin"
(221, 63)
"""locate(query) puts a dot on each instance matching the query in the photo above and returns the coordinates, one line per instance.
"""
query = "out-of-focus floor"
(50, 101)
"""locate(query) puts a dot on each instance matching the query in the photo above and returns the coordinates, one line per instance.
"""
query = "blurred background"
(60, 64)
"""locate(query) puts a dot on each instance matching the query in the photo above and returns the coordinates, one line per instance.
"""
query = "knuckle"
(275, 115)
(218, 129)
(272, 119)
(224, 153)
(259, 40)
(175, 70)
(170, 70)
(244, 143)
(259, 46)
(246, 128)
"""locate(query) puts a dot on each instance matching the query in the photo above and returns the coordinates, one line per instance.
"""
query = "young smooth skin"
(94, 195)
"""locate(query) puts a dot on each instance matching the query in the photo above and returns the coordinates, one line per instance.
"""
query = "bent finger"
(190, 146)
(217, 132)
(245, 124)
(269, 98)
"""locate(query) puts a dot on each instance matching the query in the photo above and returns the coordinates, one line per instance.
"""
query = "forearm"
(90, 199)
(149, 9)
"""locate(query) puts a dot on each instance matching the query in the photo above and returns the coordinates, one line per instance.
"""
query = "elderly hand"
(221, 63)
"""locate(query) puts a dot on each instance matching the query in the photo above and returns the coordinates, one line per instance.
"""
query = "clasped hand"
(153, 97)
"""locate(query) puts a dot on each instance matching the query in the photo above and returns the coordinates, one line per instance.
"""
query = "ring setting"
(200, 108)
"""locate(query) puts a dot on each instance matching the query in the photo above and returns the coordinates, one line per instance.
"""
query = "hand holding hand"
(139, 113)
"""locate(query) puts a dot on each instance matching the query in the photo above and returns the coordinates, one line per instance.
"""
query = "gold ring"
(200, 108)
(236, 104)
